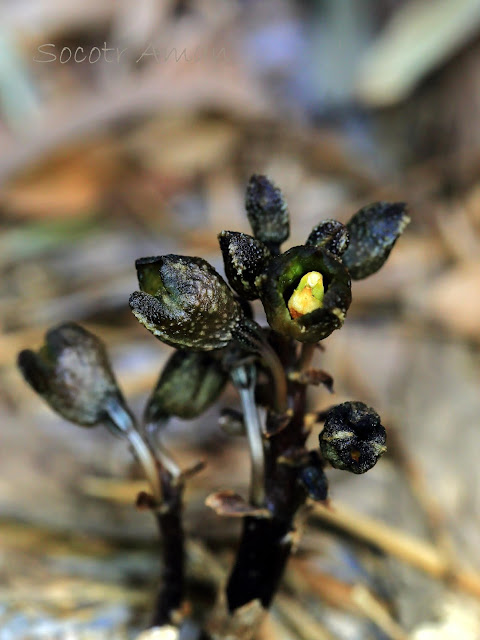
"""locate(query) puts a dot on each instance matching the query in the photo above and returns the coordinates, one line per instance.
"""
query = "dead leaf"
(315, 377)
(228, 503)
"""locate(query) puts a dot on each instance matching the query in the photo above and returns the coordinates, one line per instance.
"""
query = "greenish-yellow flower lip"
(308, 295)
(283, 275)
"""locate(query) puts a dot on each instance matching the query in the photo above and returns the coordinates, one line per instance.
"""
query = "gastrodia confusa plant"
(306, 294)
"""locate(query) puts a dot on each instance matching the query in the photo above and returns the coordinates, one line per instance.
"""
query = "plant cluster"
(185, 303)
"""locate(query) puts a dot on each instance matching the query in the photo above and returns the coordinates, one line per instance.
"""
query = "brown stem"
(261, 558)
(265, 544)
(275, 367)
(306, 356)
(163, 476)
(169, 522)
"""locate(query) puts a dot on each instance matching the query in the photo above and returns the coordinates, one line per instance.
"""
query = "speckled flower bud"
(189, 383)
(280, 285)
(313, 478)
(71, 372)
(373, 231)
(185, 303)
(353, 438)
(330, 235)
(245, 258)
(267, 211)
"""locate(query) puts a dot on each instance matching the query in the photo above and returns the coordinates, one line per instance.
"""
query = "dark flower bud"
(71, 372)
(245, 258)
(189, 383)
(231, 422)
(185, 303)
(330, 235)
(313, 478)
(267, 211)
(306, 293)
(353, 438)
(373, 231)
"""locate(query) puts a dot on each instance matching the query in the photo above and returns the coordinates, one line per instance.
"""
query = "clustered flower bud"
(189, 383)
(267, 211)
(185, 303)
(306, 291)
(373, 232)
(245, 258)
(72, 373)
(353, 438)
(330, 235)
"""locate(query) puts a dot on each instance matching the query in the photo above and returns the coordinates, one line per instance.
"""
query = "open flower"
(185, 303)
(72, 373)
(306, 293)
(353, 438)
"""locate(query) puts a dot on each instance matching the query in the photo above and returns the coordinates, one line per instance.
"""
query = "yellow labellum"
(308, 296)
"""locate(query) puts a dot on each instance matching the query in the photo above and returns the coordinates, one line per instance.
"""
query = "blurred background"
(130, 128)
